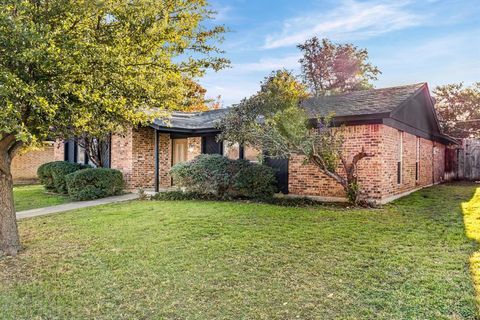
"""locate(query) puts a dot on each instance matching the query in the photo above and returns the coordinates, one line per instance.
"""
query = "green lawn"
(34, 196)
(219, 260)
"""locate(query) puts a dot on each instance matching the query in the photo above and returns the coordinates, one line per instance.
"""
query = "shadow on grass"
(471, 218)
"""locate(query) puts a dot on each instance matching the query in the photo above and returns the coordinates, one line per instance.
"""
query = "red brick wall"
(428, 164)
(439, 162)
(378, 174)
(134, 154)
(58, 151)
(25, 165)
(306, 179)
(122, 155)
(194, 147)
(143, 154)
(165, 159)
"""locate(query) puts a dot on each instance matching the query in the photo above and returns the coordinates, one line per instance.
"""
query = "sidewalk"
(74, 206)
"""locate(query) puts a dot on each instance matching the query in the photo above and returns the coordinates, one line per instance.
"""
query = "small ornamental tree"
(74, 68)
(273, 121)
(329, 68)
(458, 109)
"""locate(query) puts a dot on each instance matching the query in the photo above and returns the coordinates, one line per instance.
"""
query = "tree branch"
(14, 149)
(6, 142)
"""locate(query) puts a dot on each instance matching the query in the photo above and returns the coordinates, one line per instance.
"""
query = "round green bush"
(207, 173)
(52, 174)
(254, 180)
(61, 170)
(44, 173)
(213, 174)
(92, 184)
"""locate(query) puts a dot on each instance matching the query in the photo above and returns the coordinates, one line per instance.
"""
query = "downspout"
(433, 163)
(157, 180)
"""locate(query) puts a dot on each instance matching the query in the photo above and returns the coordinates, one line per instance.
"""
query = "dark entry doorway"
(211, 146)
(281, 172)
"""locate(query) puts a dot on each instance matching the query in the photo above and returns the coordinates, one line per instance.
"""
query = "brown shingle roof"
(373, 101)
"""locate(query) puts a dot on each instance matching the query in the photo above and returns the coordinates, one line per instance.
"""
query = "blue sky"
(430, 41)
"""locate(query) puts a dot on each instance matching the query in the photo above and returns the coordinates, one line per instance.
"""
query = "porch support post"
(157, 182)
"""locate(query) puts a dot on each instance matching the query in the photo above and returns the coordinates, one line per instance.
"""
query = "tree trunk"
(9, 239)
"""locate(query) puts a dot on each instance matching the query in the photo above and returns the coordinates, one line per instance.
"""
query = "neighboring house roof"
(408, 108)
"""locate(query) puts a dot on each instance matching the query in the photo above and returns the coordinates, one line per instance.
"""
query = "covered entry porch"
(178, 145)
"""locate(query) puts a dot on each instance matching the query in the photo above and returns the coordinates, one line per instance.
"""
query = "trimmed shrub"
(92, 184)
(44, 173)
(60, 170)
(207, 173)
(216, 175)
(52, 174)
(254, 180)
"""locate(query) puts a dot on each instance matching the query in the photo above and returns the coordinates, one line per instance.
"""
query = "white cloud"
(224, 13)
(351, 20)
(269, 64)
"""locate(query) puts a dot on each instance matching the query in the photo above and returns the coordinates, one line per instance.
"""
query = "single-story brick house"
(397, 125)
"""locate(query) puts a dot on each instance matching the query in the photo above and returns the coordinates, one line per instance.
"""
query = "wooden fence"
(469, 160)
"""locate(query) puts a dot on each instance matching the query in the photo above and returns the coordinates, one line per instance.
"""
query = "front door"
(179, 152)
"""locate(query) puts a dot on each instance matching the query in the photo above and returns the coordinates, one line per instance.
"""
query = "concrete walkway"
(74, 206)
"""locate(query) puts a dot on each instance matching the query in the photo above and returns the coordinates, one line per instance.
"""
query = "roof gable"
(418, 112)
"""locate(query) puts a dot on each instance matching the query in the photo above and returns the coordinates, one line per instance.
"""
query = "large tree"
(274, 121)
(458, 109)
(329, 68)
(90, 67)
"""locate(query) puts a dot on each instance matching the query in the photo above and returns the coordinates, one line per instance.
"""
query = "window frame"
(400, 157)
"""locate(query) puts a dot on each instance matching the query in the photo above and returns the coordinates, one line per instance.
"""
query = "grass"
(34, 196)
(413, 259)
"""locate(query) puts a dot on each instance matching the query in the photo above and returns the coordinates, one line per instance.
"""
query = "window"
(81, 155)
(417, 161)
(251, 154)
(179, 150)
(231, 151)
(400, 157)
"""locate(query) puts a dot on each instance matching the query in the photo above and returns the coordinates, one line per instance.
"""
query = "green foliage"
(271, 119)
(213, 174)
(94, 67)
(207, 173)
(52, 175)
(255, 181)
(329, 68)
(274, 121)
(352, 192)
(92, 184)
(44, 173)
(60, 170)
(458, 109)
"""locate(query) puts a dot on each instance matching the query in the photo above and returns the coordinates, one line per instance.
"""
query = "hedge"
(224, 178)
(254, 180)
(207, 174)
(92, 184)
(52, 174)
(44, 173)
